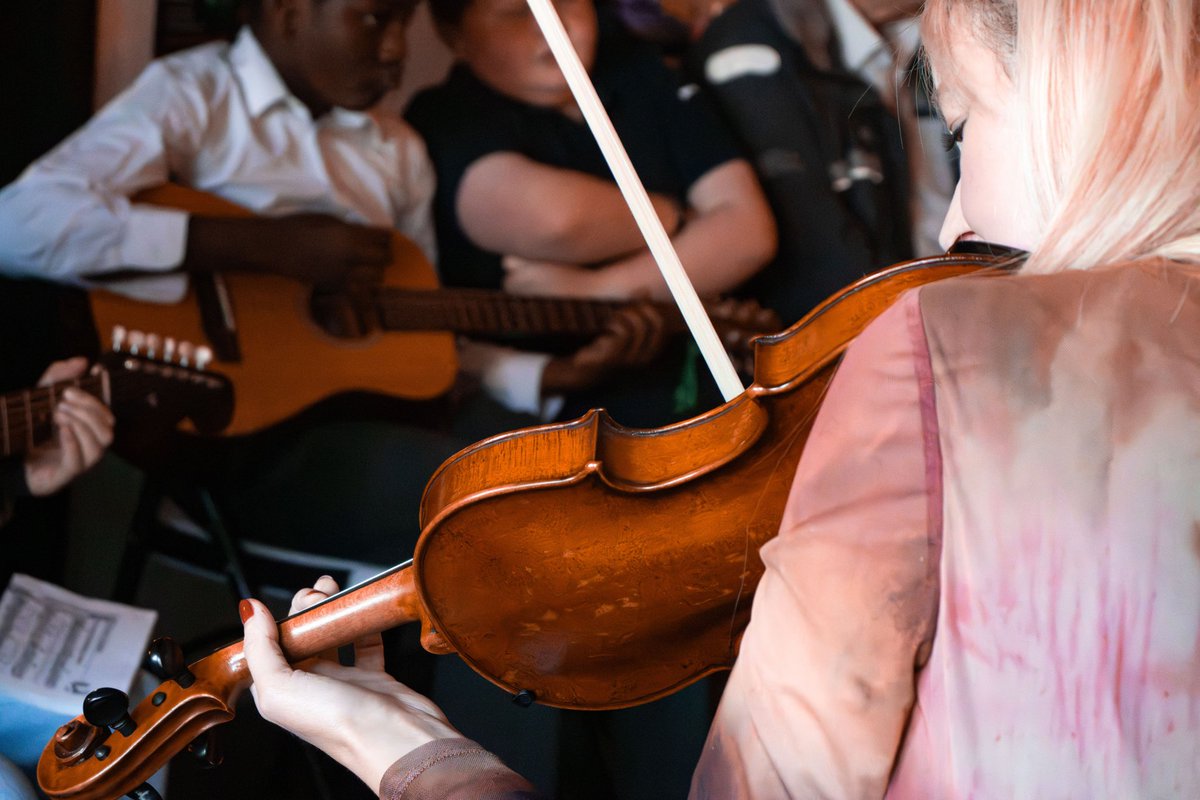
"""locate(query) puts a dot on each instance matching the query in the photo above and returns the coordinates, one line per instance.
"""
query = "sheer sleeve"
(453, 769)
(825, 681)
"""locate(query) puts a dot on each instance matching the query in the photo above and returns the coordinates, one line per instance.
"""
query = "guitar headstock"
(168, 378)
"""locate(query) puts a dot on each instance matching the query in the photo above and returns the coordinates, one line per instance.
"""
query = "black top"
(672, 142)
(800, 124)
(12, 479)
(673, 138)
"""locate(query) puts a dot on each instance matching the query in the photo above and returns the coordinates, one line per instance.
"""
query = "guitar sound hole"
(339, 314)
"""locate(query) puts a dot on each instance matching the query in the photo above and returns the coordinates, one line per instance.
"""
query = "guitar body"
(288, 362)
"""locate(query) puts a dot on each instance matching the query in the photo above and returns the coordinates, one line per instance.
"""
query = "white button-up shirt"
(220, 119)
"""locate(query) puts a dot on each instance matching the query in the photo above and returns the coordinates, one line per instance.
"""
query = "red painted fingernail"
(245, 610)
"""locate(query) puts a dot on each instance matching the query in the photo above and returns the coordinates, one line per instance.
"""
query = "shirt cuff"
(155, 238)
(155, 241)
(513, 378)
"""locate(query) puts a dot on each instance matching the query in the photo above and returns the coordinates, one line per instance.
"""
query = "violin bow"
(701, 327)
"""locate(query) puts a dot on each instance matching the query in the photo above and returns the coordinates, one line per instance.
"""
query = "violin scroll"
(84, 761)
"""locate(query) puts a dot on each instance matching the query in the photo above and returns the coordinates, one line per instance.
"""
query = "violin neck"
(371, 607)
(383, 602)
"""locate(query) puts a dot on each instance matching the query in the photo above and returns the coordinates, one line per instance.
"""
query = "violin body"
(600, 567)
(588, 565)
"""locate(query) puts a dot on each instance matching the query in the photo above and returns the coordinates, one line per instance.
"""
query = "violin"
(582, 565)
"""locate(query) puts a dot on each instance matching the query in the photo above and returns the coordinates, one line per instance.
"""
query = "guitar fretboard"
(26, 416)
(482, 312)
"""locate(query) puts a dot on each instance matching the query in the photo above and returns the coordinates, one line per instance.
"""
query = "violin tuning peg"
(109, 708)
(207, 749)
(118, 337)
(164, 658)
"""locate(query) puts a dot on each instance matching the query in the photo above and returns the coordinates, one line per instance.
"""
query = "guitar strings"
(32, 409)
(29, 412)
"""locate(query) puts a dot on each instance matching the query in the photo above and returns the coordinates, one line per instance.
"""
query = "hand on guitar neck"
(635, 334)
(313, 248)
(83, 430)
(61, 428)
(633, 337)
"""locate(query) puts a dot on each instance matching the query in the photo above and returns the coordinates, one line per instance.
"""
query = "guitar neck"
(26, 416)
(480, 312)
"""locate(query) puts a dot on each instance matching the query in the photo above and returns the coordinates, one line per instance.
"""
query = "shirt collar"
(263, 87)
(260, 81)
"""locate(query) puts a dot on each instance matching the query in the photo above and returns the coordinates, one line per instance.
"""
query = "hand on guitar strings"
(360, 715)
(83, 430)
(317, 249)
(633, 337)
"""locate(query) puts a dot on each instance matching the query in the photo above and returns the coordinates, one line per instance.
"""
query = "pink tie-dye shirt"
(987, 581)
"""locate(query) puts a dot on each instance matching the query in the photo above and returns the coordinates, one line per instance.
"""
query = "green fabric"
(687, 391)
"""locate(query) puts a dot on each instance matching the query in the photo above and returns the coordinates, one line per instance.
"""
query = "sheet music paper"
(56, 646)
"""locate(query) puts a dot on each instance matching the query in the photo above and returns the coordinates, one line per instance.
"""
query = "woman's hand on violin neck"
(360, 715)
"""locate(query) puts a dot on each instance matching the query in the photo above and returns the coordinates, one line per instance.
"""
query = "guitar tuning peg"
(204, 356)
(137, 341)
(186, 350)
(118, 337)
(168, 349)
(153, 343)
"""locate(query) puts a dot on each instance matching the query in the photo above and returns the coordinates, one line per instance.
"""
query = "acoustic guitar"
(263, 337)
(286, 346)
(169, 385)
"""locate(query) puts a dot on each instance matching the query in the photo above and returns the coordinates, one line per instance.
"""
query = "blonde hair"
(1109, 94)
